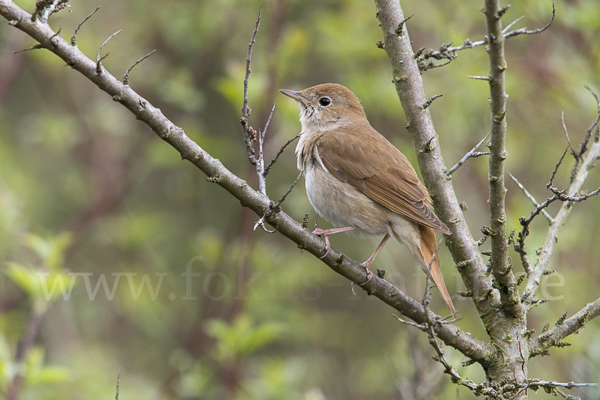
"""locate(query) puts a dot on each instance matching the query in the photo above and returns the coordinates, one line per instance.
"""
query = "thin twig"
(249, 132)
(512, 24)
(98, 59)
(126, 76)
(118, 383)
(525, 31)
(573, 199)
(568, 196)
(470, 154)
(280, 152)
(555, 170)
(275, 208)
(530, 197)
(449, 52)
(74, 37)
(562, 118)
(260, 161)
(588, 134)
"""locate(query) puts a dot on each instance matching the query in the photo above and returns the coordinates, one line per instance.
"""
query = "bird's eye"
(324, 101)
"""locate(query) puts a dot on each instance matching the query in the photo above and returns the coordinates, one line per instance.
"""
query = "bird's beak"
(293, 94)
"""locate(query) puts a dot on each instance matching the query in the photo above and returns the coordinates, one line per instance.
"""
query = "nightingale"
(358, 181)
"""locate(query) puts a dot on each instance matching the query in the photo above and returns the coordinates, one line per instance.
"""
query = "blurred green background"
(87, 190)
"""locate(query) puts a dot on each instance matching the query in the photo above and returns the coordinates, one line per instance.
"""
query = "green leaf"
(23, 276)
(241, 338)
(50, 250)
(48, 375)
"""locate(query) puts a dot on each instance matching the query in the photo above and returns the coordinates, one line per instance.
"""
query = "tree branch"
(409, 85)
(217, 173)
(497, 203)
(447, 51)
(472, 153)
(560, 218)
(531, 198)
(562, 329)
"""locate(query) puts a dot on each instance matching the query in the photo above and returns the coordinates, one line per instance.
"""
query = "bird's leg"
(325, 233)
(367, 264)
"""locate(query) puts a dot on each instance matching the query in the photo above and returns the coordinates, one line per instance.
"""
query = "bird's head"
(326, 107)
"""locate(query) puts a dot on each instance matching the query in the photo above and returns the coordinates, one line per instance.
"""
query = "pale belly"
(342, 205)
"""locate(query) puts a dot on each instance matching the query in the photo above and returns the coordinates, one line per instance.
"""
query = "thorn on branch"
(481, 78)
(98, 58)
(502, 11)
(305, 221)
(74, 37)
(472, 153)
(399, 30)
(430, 100)
(57, 34)
(512, 24)
(126, 76)
(34, 47)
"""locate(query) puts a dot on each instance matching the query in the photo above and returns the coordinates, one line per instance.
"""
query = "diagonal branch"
(569, 326)
(217, 173)
(472, 153)
(560, 218)
(531, 198)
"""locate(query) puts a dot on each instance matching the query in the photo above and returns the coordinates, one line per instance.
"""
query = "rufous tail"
(428, 246)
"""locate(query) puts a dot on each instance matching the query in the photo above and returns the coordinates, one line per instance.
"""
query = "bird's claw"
(369, 276)
(323, 233)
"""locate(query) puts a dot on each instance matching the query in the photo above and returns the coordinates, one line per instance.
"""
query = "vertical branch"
(250, 134)
(497, 202)
(409, 85)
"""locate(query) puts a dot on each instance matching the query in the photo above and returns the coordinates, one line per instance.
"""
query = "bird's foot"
(369, 273)
(325, 234)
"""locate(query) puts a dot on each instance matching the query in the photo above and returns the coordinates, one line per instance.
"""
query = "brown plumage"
(356, 178)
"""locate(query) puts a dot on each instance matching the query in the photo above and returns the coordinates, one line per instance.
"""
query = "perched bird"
(357, 180)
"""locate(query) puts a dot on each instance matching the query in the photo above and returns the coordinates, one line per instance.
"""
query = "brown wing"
(374, 166)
